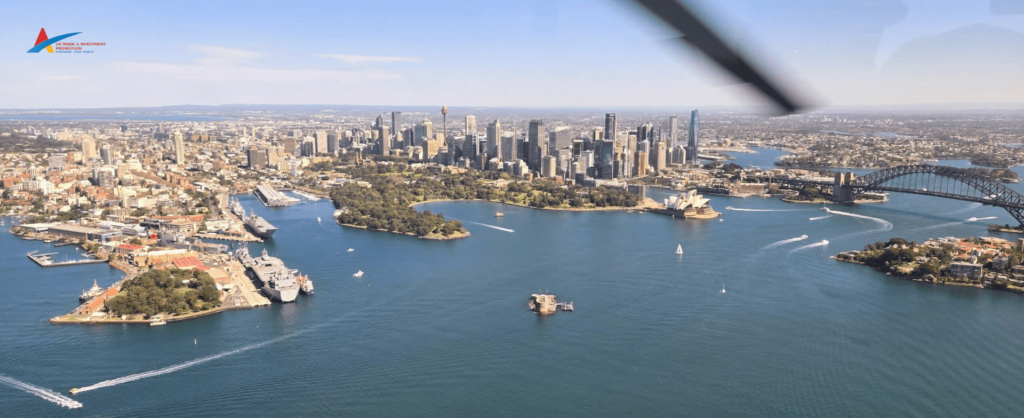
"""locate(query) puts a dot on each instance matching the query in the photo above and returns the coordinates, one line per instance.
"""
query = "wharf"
(273, 198)
(46, 260)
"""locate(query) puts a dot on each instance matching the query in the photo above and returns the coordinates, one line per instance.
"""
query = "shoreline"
(428, 237)
(920, 280)
(61, 320)
(595, 209)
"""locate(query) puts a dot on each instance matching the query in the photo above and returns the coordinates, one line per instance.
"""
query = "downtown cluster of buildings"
(606, 152)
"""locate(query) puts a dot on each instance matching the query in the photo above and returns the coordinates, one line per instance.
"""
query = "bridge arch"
(941, 181)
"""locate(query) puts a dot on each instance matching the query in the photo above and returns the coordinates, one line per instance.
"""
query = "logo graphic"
(44, 42)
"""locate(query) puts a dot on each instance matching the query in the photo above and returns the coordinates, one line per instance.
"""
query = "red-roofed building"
(97, 302)
(186, 263)
(126, 249)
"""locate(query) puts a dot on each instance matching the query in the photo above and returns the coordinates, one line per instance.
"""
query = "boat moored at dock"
(279, 283)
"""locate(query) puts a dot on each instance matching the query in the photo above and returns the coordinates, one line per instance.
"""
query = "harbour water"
(440, 328)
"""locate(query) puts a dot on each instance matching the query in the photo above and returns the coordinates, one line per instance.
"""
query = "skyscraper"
(423, 130)
(560, 138)
(106, 154)
(320, 146)
(257, 157)
(609, 126)
(494, 139)
(694, 141)
(384, 144)
(179, 148)
(470, 124)
(396, 123)
(533, 150)
(88, 149)
(673, 129)
(659, 157)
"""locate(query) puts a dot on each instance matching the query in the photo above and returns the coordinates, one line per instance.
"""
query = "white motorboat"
(358, 274)
(350, 250)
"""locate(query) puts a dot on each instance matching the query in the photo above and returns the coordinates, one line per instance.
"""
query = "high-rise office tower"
(470, 147)
(673, 129)
(308, 147)
(494, 139)
(659, 157)
(332, 142)
(106, 155)
(384, 140)
(533, 150)
(88, 149)
(549, 166)
(470, 124)
(609, 126)
(396, 123)
(423, 130)
(640, 164)
(290, 143)
(605, 154)
(179, 148)
(320, 142)
(560, 138)
(694, 141)
(257, 157)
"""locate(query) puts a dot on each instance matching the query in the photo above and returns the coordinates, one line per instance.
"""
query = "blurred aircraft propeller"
(698, 34)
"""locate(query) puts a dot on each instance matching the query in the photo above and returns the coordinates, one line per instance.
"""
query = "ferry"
(498, 214)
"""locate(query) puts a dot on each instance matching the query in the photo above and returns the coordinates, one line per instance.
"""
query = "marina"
(46, 260)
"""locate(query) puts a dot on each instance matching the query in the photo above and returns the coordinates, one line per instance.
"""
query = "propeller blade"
(699, 35)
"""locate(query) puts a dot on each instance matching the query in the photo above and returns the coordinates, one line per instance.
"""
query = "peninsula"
(986, 262)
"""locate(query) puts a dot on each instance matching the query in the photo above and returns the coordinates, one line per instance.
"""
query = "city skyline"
(883, 53)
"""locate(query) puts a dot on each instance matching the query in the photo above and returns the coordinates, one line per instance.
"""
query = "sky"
(523, 53)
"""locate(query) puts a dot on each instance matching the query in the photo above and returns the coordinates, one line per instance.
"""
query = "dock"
(273, 198)
(46, 260)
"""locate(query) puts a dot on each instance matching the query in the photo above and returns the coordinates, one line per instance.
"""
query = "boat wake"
(818, 218)
(44, 393)
(884, 224)
(784, 242)
(943, 225)
(763, 210)
(490, 226)
(185, 365)
(821, 243)
(967, 208)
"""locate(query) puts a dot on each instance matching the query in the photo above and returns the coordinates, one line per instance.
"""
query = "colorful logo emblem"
(43, 42)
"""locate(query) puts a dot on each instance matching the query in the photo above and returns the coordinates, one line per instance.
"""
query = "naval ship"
(279, 283)
(236, 208)
(259, 226)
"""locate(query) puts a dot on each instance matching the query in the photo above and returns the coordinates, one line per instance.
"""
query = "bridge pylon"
(842, 188)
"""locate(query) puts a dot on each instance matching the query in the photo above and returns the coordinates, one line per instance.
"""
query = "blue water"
(441, 328)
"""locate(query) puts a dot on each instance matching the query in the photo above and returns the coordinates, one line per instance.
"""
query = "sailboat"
(679, 249)
(723, 288)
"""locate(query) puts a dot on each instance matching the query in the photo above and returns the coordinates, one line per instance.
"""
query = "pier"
(273, 198)
(46, 260)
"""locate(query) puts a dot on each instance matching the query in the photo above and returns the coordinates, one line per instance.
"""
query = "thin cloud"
(223, 56)
(203, 73)
(362, 59)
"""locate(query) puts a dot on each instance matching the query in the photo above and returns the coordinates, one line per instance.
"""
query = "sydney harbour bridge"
(922, 179)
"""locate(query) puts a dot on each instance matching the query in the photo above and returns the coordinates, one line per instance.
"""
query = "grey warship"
(279, 283)
(259, 226)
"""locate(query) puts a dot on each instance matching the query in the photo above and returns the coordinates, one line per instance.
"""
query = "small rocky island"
(545, 304)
